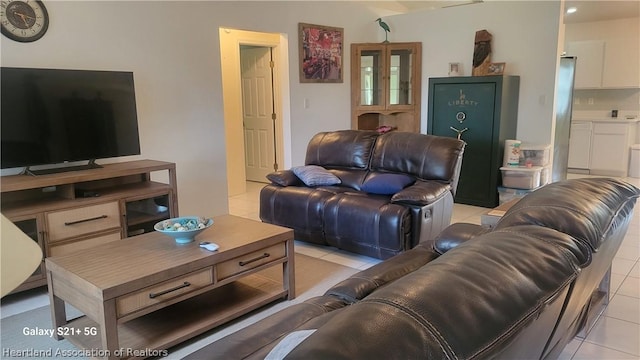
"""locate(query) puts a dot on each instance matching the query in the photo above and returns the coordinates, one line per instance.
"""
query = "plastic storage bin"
(521, 177)
(545, 175)
(536, 155)
(507, 194)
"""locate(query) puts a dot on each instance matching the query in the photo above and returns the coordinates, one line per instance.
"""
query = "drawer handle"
(85, 220)
(155, 295)
(263, 256)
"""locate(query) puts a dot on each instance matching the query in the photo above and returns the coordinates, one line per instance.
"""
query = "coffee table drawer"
(250, 261)
(164, 291)
(84, 220)
(58, 248)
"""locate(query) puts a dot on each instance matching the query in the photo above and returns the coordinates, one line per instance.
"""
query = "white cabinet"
(621, 60)
(610, 148)
(580, 145)
(608, 53)
(589, 63)
(601, 147)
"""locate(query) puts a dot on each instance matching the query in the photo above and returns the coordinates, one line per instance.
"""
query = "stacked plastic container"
(532, 171)
(537, 155)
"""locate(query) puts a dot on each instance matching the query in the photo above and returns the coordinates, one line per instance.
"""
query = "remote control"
(209, 246)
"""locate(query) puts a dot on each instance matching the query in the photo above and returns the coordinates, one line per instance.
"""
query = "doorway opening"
(244, 140)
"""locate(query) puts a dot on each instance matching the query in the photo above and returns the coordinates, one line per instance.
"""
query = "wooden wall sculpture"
(481, 53)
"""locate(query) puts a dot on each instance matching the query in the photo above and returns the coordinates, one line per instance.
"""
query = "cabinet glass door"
(143, 214)
(371, 77)
(400, 76)
(30, 228)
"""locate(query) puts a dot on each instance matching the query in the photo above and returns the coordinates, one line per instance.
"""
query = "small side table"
(491, 218)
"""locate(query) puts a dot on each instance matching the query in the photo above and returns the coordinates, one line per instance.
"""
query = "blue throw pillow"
(386, 184)
(314, 175)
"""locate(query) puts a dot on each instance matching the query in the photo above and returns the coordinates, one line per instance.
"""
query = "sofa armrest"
(421, 193)
(284, 178)
(360, 285)
(456, 234)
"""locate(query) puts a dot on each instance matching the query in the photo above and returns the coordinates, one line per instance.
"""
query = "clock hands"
(24, 17)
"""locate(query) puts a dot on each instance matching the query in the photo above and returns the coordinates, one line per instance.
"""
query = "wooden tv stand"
(69, 211)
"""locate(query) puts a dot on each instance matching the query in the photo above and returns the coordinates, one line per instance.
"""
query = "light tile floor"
(616, 334)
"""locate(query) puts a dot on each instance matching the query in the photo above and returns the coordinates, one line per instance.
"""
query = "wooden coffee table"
(144, 294)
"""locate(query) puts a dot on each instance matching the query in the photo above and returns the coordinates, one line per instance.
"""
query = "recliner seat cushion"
(298, 208)
(366, 224)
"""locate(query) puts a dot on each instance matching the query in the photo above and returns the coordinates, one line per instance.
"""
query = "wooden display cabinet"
(385, 85)
(70, 211)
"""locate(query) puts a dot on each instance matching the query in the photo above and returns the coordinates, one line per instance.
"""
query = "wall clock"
(23, 21)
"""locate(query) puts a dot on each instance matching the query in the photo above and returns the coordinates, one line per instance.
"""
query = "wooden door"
(257, 109)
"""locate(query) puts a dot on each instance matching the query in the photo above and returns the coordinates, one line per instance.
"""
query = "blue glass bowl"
(186, 229)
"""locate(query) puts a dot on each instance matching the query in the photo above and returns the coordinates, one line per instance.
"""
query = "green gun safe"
(482, 111)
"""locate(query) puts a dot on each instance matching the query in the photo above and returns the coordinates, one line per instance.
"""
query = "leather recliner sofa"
(521, 290)
(348, 217)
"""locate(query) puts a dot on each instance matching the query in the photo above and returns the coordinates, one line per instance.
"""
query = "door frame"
(230, 41)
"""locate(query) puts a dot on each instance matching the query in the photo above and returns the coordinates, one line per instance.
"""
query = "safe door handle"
(458, 131)
(85, 220)
(155, 295)
(263, 256)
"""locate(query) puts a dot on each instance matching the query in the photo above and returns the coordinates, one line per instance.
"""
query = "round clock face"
(23, 20)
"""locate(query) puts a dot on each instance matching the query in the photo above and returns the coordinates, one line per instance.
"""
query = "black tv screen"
(51, 116)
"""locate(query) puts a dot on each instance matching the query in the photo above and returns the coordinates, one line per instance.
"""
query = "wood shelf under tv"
(45, 203)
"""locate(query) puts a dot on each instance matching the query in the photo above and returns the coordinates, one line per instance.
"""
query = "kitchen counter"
(605, 116)
(609, 120)
(599, 144)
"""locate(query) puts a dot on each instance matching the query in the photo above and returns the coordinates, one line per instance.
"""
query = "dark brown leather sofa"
(522, 290)
(349, 218)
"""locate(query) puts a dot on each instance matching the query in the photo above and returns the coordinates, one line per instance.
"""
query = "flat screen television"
(53, 116)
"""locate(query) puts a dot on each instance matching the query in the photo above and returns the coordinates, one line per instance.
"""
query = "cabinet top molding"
(25, 182)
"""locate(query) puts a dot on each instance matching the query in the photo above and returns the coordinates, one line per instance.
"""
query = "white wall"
(173, 49)
(525, 37)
